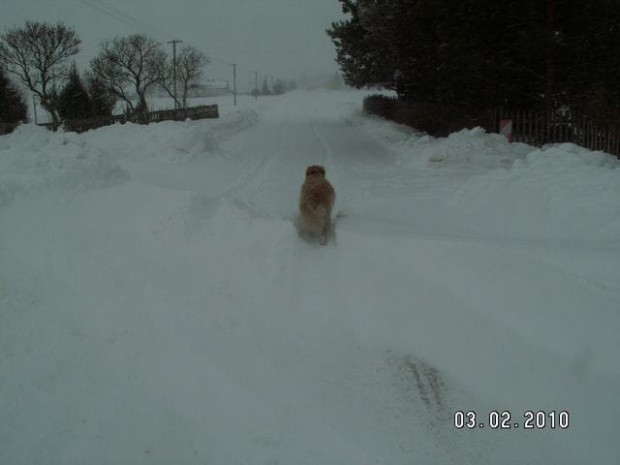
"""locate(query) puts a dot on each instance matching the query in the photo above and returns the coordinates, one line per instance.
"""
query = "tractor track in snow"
(252, 177)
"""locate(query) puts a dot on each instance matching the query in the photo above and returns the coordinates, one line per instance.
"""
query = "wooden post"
(505, 128)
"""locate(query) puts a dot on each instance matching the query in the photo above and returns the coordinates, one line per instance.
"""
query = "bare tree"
(189, 66)
(38, 54)
(135, 61)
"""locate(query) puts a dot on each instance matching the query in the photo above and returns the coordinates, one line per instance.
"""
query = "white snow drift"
(157, 306)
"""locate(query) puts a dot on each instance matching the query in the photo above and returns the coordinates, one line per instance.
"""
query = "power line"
(103, 10)
(135, 20)
(220, 61)
(121, 16)
(127, 19)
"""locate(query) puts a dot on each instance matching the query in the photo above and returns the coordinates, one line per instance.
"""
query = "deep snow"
(157, 306)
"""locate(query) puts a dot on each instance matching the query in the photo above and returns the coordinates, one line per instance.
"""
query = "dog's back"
(316, 202)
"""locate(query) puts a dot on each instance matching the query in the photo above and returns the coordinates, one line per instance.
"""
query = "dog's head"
(315, 170)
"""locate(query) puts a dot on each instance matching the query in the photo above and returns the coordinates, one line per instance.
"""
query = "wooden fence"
(538, 127)
(201, 112)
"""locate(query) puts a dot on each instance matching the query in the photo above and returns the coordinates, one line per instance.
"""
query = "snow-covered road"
(157, 306)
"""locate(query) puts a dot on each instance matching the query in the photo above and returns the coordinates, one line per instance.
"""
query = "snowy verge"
(491, 186)
(33, 159)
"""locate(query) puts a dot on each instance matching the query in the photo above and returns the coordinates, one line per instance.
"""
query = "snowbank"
(175, 316)
(560, 191)
(33, 158)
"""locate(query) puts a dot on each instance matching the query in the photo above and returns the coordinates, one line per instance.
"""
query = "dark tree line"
(40, 56)
(279, 87)
(483, 52)
(126, 69)
(76, 100)
(13, 107)
(79, 100)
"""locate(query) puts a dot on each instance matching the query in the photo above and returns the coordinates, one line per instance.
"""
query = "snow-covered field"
(157, 305)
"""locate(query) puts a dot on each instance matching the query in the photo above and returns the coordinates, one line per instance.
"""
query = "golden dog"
(315, 204)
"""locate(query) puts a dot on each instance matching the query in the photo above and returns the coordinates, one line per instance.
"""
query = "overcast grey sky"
(282, 38)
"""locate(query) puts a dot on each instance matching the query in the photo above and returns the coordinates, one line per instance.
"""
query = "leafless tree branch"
(135, 61)
(38, 54)
(190, 65)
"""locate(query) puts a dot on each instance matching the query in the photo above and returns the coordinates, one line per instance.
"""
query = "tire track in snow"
(300, 272)
(423, 386)
(321, 349)
(379, 369)
(239, 194)
(311, 277)
(254, 175)
(330, 164)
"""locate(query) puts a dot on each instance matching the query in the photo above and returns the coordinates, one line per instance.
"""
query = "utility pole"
(174, 70)
(235, 82)
(34, 106)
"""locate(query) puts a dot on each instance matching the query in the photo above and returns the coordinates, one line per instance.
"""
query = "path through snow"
(171, 314)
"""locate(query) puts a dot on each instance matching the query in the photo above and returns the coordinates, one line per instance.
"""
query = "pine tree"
(265, 90)
(466, 52)
(279, 87)
(74, 98)
(13, 107)
(481, 53)
(102, 102)
(587, 67)
(362, 58)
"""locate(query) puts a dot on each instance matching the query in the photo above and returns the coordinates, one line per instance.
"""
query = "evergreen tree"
(587, 65)
(74, 101)
(358, 51)
(102, 102)
(13, 107)
(482, 52)
(279, 87)
(265, 90)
